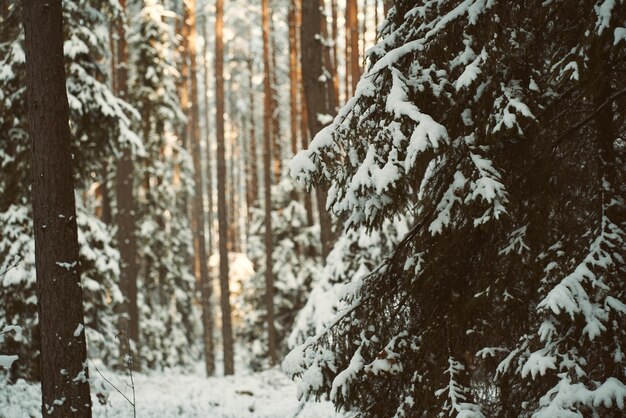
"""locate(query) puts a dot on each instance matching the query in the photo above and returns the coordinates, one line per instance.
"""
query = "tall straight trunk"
(376, 21)
(335, 38)
(231, 188)
(304, 120)
(207, 137)
(125, 193)
(222, 213)
(319, 98)
(267, 141)
(252, 184)
(276, 135)
(59, 293)
(197, 212)
(293, 78)
(352, 19)
(329, 64)
(364, 28)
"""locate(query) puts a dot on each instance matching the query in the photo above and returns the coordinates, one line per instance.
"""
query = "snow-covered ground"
(268, 394)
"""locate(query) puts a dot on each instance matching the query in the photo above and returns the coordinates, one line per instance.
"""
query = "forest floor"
(268, 394)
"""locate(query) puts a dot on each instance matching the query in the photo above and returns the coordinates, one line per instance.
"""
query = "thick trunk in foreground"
(267, 141)
(125, 194)
(197, 215)
(222, 214)
(63, 349)
(320, 98)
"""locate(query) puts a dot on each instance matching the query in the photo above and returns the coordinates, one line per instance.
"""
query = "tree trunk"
(207, 119)
(276, 135)
(335, 37)
(352, 19)
(304, 132)
(63, 348)
(267, 141)
(252, 185)
(222, 214)
(197, 216)
(319, 99)
(293, 78)
(127, 241)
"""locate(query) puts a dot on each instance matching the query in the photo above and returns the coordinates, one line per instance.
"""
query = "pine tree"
(497, 126)
(65, 378)
(296, 246)
(168, 330)
(99, 121)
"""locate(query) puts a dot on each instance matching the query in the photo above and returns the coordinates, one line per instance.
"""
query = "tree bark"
(197, 217)
(276, 135)
(207, 120)
(252, 185)
(319, 99)
(293, 78)
(65, 380)
(125, 193)
(222, 214)
(304, 121)
(267, 141)
(352, 19)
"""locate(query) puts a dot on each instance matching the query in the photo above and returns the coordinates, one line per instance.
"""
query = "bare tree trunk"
(267, 140)
(197, 215)
(335, 37)
(302, 113)
(328, 60)
(207, 121)
(222, 213)
(364, 28)
(59, 293)
(276, 135)
(127, 241)
(293, 77)
(353, 32)
(319, 98)
(252, 186)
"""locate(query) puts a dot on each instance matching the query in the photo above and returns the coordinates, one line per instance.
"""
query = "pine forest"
(313, 208)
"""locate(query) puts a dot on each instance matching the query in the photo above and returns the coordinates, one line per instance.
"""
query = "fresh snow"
(268, 394)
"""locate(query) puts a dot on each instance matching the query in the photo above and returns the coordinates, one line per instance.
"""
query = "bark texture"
(125, 218)
(320, 98)
(64, 383)
(222, 213)
(197, 212)
(267, 168)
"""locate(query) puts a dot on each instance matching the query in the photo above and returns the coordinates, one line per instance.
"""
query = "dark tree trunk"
(64, 374)
(127, 242)
(267, 168)
(197, 216)
(320, 99)
(222, 213)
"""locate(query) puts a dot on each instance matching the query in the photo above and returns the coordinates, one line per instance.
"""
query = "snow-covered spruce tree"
(356, 254)
(296, 254)
(167, 314)
(500, 125)
(98, 121)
